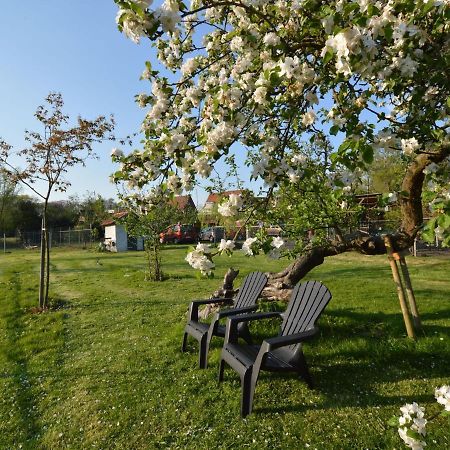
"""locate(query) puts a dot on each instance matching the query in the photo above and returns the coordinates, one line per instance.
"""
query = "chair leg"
(183, 345)
(247, 393)
(211, 332)
(221, 370)
(303, 371)
(202, 360)
(245, 334)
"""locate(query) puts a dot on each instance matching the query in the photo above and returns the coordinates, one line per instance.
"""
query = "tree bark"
(42, 266)
(47, 268)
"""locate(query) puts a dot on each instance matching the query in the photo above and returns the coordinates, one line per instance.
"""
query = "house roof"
(183, 201)
(112, 220)
(215, 198)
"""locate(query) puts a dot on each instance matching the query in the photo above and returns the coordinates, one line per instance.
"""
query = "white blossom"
(409, 146)
(392, 197)
(204, 248)
(189, 66)
(309, 118)
(260, 95)
(277, 242)
(289, 67)
(246, 246)
(271, 39)
(199, 261)
(442, 395)
(431, 168)
(226, 245)
(169, 15)
(413, 418)
(116, 152)
(230, 206)
(134, 26)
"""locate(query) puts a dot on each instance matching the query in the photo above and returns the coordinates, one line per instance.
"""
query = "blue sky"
(73, 47)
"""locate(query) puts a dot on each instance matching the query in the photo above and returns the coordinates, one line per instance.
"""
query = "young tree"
(48, 157)
(148, 222)
(274, 75)
(93, 210)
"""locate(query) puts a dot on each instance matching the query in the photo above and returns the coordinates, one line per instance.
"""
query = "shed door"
(132, 243)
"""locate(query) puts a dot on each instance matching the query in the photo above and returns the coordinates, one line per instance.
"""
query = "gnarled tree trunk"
(280, 284)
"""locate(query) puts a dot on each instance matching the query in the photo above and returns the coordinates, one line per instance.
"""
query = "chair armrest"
(235, 311)
(231, 333)
(282, 341)
(193, 307)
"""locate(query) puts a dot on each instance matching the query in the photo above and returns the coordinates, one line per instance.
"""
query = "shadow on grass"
(354, 357)
(355, 383)
(20, 372)
(353, 272)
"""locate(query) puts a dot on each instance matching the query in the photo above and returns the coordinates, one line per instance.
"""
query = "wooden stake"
(398, 283)
(410, 295)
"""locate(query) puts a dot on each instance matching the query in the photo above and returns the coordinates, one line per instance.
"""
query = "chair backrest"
(305, 306)
(250, 289)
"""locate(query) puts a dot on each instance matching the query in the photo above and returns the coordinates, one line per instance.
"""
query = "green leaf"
(393, 421)
(345, 146)
(444, 221)
(388, 33)
(367, 154)
(372, 10)
(414, 434)
(427, 7)
(328, 55)
(334, 130)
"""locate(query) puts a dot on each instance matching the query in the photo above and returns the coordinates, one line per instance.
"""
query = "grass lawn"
(104, 368)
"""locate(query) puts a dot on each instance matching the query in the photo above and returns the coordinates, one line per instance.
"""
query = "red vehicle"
(179, 233)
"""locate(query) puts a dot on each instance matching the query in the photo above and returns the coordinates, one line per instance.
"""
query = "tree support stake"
(406, 285)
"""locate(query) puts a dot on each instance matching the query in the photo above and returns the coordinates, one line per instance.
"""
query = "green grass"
(103, 369)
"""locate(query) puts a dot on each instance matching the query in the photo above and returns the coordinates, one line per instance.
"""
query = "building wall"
(118, 235)
(121, 239)
(110, 236)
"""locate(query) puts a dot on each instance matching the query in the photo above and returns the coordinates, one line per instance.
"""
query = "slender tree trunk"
(42, 265)
(47, 267)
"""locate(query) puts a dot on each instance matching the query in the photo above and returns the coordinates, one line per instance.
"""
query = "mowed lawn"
(103, 368)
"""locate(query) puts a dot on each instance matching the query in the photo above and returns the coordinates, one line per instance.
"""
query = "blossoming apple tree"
(273, 79)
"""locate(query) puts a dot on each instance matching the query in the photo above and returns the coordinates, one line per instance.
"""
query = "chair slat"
(250, 290)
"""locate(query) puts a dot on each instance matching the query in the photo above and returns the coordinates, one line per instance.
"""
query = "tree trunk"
(42, 266)
(47, 268)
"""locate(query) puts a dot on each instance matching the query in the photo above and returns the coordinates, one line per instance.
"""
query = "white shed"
(117, 238)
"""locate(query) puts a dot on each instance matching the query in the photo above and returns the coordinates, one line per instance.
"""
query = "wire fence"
(57, 237)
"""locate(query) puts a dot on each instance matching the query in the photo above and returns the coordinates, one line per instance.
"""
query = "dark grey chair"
(278, 354)
(244, 302)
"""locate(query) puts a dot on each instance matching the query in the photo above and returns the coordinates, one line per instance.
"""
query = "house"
(116, 236)
(183, 202)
